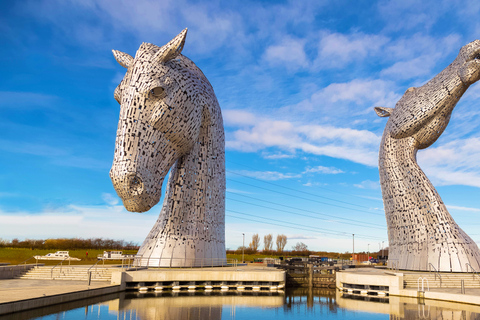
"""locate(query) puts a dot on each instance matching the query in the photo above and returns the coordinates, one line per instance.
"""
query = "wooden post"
(310, 275)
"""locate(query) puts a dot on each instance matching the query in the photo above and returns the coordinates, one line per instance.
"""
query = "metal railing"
(430, 266)
(183, 262)
(393, 264)
(89, 273)
(25, 261)
(474, 272)
(61, 264)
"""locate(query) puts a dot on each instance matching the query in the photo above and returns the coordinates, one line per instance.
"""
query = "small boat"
(114, 255)
(59, 255)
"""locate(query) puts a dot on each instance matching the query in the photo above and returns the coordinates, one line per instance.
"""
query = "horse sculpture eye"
(477, 57)
(157, 92)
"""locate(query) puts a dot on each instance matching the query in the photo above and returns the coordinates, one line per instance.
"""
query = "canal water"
(293, 304)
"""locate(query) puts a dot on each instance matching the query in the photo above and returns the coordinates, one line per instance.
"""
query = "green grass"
(18, 255)
(251, 257)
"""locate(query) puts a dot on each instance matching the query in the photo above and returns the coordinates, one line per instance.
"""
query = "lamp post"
(368, 252)
(383, 257)
(243, 248)
(353, 253)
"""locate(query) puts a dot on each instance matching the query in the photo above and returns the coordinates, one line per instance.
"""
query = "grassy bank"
(18, 255)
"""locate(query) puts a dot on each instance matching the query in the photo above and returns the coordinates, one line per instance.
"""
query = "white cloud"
(418, 55)
(289, 53)
(78, 221)
(338, 50)
(454, 163)
(359, 146)
(233, 117)
(324, 170)
(412, 68)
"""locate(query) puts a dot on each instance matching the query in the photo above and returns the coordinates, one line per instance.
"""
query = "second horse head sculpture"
(421, 231)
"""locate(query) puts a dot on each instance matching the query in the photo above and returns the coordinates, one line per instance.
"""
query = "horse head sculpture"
(170, 118)
(421, 232)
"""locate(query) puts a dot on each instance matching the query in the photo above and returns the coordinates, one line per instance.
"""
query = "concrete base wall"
(21, 305)
(394, 281)
(10, 272)
(201, 275)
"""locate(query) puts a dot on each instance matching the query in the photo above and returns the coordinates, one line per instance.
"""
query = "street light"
(243, 248)
(368, 252)
(383, 257)
(353, 253)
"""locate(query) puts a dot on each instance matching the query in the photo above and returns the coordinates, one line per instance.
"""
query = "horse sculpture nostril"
(134, 184)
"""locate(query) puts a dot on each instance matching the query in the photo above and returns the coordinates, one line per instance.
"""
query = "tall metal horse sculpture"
(170, 118)
(421, 231)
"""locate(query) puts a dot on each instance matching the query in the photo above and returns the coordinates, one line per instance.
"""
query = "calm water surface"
(293, 304)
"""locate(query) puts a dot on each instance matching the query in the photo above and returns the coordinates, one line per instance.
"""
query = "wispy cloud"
(463, 208)
(299, 237)
(26, 100)
(265, 175)
(454, 163)
(368, 184)
(324, 170)
(110, 199)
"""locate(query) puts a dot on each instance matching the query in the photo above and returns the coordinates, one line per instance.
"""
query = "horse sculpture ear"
(383, 112)
(171, 49)
(124, 59)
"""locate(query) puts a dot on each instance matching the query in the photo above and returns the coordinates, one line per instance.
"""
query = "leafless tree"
(255, 242)
(267, 241)
(281, 242)
(300, 246)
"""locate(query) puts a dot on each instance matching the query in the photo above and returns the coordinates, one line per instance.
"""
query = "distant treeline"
(70, 244)
(304, 253)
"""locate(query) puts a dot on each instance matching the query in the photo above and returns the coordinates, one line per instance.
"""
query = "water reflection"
(402, 308)
(189, 306)
(216, 305)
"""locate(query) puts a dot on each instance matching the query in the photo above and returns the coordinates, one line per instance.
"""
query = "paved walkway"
(20, 289)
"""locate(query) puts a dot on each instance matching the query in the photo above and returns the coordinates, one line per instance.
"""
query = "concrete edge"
(22, 305)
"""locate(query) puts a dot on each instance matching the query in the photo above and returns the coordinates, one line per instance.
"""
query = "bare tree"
(281, 242)
(267, 241)
(300, 246)
(255, 242)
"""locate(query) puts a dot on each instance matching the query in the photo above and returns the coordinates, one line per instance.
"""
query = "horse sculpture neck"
(190, 229)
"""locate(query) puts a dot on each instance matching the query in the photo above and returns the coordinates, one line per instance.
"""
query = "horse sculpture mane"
(421, 231)
(171, 119)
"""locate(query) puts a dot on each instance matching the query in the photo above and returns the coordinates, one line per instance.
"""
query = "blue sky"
(297, 82)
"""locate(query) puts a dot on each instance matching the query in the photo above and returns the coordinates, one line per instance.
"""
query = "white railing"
(423, 287)
(184, 262)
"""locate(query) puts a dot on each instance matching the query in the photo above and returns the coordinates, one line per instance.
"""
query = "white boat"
(59, 255)
(114, 255)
